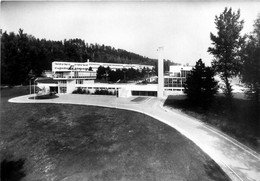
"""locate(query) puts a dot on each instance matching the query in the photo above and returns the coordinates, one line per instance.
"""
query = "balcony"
(68, 77)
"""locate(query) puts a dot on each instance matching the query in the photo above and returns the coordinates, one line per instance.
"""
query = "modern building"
(174, 82)
(69, 76)
(95, 65)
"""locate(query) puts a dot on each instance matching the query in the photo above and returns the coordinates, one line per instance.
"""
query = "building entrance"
(144, 93)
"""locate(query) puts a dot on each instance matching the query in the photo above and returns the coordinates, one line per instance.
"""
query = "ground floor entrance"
(53, 89)
(144, 93)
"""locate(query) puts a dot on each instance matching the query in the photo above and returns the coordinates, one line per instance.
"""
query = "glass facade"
(177, 79)
(173, 82)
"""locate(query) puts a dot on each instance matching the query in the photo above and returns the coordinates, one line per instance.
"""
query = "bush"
(103, 92)
(12, 170)
(79, 90)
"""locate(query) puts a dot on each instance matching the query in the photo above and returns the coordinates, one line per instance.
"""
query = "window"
(63, 82)
(76, 74)
(79, 81)
(63, 89)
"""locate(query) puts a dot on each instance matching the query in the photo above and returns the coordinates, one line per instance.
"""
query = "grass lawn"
(73, 142)
(240, 122)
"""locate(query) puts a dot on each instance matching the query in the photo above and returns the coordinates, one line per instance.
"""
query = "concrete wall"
(71, 85)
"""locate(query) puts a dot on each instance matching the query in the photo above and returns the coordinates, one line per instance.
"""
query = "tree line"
(22, 53)
(123, 75)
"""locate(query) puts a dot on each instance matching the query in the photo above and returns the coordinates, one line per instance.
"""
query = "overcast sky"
(182, 28)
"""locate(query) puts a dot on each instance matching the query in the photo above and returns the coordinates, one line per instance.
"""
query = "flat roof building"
(71, 76)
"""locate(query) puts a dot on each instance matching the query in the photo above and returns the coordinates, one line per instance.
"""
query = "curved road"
(237, 160)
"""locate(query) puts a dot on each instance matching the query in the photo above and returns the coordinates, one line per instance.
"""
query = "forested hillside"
(21, 53)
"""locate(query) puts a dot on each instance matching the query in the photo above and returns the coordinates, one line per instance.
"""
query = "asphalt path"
(237, 160)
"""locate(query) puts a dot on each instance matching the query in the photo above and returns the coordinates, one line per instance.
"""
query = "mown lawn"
(239, 121)
(72, 142)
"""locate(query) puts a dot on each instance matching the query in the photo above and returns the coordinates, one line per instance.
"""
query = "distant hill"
(102, 53)
(22, 53)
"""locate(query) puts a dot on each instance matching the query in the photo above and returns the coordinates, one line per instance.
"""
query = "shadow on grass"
(44, 97)
(239, 120)
(12, 170)
(214, 172)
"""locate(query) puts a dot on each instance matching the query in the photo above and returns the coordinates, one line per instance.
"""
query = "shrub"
(80, 90)
(103, 92)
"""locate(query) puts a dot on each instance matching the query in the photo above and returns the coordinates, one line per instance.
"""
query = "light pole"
(31, 76)
(106, 74)
(181, 77)
(34, 87)
(149, 71)
(30, 86)
(124, 70)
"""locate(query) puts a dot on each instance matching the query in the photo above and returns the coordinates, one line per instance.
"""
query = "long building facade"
(69, 76)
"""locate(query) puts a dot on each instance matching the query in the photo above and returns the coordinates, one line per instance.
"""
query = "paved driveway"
(238, 161)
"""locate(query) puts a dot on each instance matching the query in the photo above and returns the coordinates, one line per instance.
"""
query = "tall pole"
(160, 73)
(30, 86)
(34, 89)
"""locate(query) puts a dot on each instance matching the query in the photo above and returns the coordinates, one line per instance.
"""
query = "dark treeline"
(106, 73)
(21, 53)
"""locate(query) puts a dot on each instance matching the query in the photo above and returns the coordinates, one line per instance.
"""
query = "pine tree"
(201, 86)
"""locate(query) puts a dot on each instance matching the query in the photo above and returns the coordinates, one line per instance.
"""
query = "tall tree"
(251, 65)
(227, 47)
(201, 86)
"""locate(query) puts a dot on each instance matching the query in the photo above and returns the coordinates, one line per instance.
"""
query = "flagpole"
(34, 90)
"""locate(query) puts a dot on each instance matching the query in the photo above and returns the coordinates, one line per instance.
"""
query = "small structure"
(46, 85)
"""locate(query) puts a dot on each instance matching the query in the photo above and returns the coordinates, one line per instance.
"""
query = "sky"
(182, 28)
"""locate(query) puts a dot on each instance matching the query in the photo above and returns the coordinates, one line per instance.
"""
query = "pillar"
(160, 73)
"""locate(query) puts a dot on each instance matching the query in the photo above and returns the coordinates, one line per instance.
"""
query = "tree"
(227, 47)
(200, 86)
(100, 72)
(251, 65)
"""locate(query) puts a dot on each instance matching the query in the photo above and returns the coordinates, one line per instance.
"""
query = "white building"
(174, 82)
(73, 75)
(83, 66)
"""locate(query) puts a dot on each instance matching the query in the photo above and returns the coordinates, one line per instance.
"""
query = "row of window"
(99, 88)
(173, 89)
(174, 82)
(79, 81)
(183, 73)
(144, 93)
